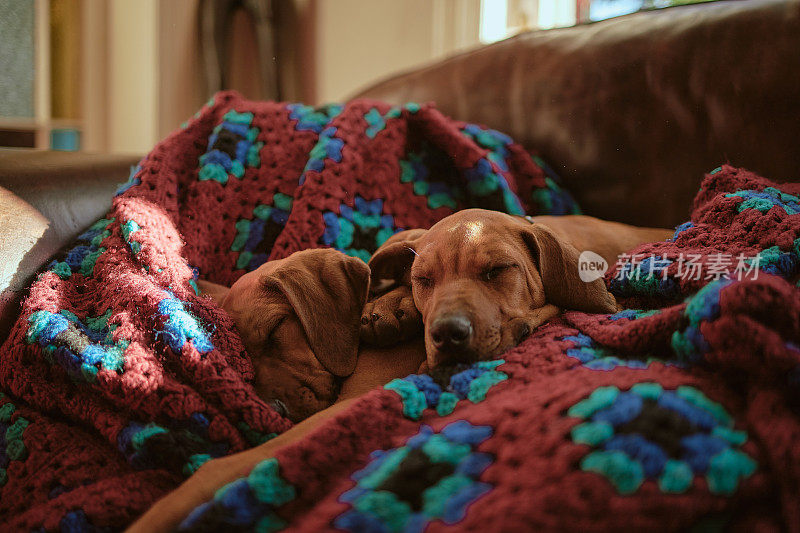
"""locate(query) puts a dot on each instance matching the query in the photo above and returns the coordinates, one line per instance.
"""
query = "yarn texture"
(119, 381)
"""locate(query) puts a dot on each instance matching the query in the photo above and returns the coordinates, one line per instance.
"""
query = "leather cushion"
(632, 111)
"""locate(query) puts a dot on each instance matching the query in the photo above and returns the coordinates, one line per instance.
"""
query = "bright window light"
(606, 9)
(556, 13)
(494, 20)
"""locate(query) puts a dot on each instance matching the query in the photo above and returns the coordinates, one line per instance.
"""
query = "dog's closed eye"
(279, 407)
(494, 272)
(422, 281)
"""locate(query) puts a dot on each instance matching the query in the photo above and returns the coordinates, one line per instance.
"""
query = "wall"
(142, 74)
(133, 75)
(358, 42)
(181, 91)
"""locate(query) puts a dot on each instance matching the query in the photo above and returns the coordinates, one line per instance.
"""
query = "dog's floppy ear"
(557, 262)
(393, 259)
(327, 290)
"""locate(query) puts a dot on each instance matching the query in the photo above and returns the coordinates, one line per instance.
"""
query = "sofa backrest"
(633, 111)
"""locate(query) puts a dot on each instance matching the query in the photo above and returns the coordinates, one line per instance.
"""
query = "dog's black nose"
(451, 332)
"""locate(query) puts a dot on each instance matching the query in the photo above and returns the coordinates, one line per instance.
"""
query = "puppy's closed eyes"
(299, 321)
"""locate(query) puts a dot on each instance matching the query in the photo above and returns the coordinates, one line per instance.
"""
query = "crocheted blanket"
(119, 380)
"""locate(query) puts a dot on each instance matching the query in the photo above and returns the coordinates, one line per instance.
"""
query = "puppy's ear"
(327, 291)
(393, 259)
(557, 262)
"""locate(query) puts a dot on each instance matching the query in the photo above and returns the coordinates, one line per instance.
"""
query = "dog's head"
(483, 280)
(299, 320)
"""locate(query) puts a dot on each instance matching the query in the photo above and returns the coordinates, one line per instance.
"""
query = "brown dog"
(298, 319)
(483, 280)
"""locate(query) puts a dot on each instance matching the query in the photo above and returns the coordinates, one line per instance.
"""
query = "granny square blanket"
(118, 381)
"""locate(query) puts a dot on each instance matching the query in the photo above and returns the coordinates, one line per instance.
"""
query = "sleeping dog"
(299, 322)
(481, 281)
(469, 288)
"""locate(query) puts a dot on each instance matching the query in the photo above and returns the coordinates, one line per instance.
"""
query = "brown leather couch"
(630, 112)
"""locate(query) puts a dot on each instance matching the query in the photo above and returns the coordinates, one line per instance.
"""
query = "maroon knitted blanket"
(119, 380)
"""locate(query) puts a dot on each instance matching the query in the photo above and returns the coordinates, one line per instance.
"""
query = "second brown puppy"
(298, 319)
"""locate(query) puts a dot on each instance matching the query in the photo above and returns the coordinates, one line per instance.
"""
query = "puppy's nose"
(451, 332)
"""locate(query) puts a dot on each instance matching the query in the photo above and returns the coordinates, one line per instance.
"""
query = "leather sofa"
(633, 110)
(630, 112)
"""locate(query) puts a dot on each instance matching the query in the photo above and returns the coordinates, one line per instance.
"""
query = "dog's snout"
(451, 332)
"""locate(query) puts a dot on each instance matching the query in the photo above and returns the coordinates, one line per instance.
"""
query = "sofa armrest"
(46, 200)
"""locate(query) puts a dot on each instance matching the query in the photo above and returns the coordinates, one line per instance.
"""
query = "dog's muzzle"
(452, 335)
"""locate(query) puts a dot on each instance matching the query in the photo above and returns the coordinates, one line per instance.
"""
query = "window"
(500, 19)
